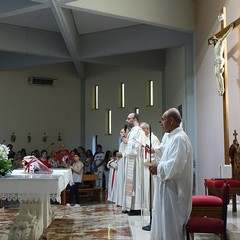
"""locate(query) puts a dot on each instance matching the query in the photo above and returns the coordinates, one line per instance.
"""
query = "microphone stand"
(150, 177)
(49, 145)
(148, 227)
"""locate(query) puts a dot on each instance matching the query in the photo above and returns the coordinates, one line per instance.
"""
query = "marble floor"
(102, 221)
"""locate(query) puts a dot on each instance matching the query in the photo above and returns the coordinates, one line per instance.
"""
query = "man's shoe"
(125, 211)
(147, 228)
(134, 213)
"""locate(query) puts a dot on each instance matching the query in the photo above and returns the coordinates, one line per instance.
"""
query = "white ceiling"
(87, 36)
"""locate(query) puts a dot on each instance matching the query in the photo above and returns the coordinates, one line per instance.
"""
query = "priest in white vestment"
(173, 197)
(134, 163)
(121, 170)
(154, 143)
(112, 165)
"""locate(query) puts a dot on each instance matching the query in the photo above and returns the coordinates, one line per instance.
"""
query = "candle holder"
(59, 137)
(13, 137)
(29, 138)
(44, 139)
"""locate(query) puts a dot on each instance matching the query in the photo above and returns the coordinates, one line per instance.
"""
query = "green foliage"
(5, 166)
(5, 163)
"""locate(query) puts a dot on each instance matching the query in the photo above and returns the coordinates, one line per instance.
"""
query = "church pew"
(86, 189)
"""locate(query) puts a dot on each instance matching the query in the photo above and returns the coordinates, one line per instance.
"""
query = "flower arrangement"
(5, 163)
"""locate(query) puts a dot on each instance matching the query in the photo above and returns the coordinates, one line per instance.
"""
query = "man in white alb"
(151, 139)
(173, 196)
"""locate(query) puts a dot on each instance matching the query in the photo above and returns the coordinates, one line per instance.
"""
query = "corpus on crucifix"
(219, 59)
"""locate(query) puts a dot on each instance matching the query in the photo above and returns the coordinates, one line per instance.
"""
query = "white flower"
(5, 163)
(4, 150)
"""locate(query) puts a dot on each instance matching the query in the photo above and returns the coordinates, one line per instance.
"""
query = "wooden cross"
(235, 134)
(224, 29)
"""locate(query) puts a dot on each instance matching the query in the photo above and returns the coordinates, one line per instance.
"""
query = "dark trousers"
(74, 192)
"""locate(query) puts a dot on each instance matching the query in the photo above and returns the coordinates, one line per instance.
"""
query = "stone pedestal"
(34, 216)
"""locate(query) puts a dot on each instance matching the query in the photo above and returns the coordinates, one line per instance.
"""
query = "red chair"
(206, 206)
(213, 187)
(210, 224)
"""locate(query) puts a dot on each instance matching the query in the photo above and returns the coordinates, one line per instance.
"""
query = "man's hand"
(147, 149)
(153, 168)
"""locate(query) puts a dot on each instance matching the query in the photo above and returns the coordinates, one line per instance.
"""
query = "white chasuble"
(134, 161)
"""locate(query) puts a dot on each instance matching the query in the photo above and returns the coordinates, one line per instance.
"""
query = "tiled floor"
(233, 226)
(102, 221)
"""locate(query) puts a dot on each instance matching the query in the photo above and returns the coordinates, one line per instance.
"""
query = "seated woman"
(18, 161)
(88, 166)
(44, 158)
(52, 159)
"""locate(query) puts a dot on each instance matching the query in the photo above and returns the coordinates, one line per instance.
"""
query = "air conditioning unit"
(41, 81)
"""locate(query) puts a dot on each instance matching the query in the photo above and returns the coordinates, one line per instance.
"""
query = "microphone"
(50, 145)
(125, 127)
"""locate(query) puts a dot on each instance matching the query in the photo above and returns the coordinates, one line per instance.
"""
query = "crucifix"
(235, 135)
(220, 49)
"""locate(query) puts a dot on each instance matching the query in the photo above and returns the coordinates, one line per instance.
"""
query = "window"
(150, 87)
(137, 110)
(95, 97)
(109, 122)
(122, 104)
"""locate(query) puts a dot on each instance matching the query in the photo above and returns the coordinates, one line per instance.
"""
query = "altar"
(34, 192)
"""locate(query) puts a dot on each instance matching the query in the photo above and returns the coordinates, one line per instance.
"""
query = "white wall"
(209, 103)
(109, 78)
(172, 13)
(179, 89)
(38, 109)
(175, 78)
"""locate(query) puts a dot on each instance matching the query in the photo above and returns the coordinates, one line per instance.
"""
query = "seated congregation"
(90, 171)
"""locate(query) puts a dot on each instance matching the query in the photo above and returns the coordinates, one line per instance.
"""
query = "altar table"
(34, 192)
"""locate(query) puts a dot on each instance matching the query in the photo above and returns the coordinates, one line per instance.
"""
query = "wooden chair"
(213, 186)
(210, 224)
(206, 206)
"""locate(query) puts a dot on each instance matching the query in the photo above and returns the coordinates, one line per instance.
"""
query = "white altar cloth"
(25, 186)
(34, 192)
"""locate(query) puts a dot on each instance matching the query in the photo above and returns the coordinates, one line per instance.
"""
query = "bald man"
(173, 196)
